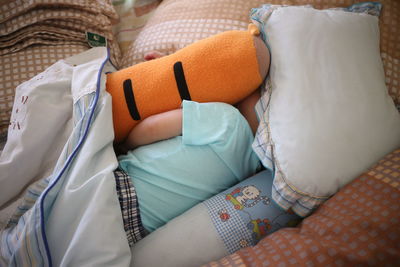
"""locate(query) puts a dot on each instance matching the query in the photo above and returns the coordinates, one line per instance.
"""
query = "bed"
(58, 192)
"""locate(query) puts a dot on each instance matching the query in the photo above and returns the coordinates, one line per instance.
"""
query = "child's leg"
(235, 218)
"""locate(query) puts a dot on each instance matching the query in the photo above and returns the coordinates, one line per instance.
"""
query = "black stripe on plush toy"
(181, 81)
(130, 100)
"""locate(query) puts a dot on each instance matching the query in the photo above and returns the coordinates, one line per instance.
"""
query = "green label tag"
(95, 40)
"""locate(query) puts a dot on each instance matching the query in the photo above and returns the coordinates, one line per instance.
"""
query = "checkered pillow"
(36, 34)
(174, 26)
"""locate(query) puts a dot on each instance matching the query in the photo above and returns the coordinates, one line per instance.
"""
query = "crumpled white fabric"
(64, 131)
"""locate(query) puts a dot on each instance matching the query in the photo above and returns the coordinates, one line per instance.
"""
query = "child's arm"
(246, 107)
(155, 128)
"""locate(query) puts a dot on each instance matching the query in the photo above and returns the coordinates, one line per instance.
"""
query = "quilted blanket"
(358, 226)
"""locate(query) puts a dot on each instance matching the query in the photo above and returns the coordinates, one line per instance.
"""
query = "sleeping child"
(206, 147)
(186, 144)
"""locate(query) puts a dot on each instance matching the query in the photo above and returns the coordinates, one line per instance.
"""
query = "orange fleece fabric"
(221, 68)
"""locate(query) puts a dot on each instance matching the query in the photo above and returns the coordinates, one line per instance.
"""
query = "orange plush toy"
(226, 67)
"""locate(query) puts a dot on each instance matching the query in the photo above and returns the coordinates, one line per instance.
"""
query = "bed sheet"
(74, 218)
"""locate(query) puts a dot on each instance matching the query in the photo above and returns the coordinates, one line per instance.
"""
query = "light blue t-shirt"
(213, 154)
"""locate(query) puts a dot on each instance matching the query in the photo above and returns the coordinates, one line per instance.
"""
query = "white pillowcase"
(329, 115)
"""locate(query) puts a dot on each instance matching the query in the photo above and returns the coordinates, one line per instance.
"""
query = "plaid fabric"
(129, 207)
(233, 232)
(134, 15)
(244, 214)
(260, 146)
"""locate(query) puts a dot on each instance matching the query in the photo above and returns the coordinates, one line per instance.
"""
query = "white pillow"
(329, 115)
